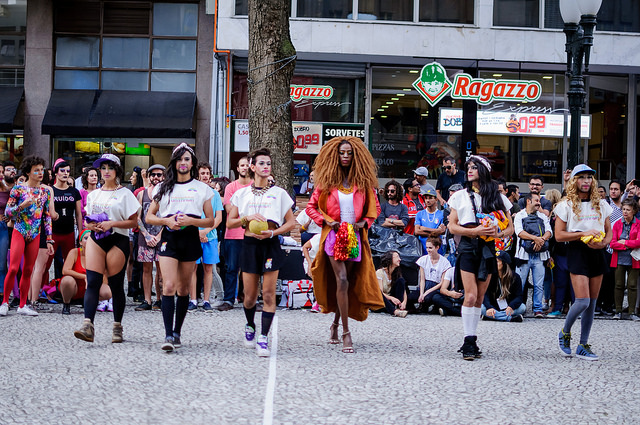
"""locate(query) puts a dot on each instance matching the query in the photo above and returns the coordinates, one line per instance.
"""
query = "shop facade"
(381, 53)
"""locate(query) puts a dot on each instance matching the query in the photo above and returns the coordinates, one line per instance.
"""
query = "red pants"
(66, 242)
(30, 250)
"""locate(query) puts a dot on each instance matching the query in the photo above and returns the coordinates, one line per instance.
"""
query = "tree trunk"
(271, 65)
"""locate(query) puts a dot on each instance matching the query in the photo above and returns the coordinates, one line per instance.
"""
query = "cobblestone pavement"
(404, 371)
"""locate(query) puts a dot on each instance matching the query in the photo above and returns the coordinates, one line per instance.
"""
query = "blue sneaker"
(584, 352)
(564, 343)
(554, 314)
(249, 337)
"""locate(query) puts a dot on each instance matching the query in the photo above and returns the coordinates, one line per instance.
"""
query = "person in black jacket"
(503, 299)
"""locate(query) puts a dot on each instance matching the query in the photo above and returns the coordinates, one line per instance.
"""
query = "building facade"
(367, 54)
(80, 78)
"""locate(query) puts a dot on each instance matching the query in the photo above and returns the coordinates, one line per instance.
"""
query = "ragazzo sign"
(433, 84)
(310, 92)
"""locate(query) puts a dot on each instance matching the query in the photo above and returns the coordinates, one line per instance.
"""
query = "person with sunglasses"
(415, 203)
(394, 214)
(536, 184)
(450, 177)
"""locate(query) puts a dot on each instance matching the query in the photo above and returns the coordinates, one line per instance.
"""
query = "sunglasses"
(447, 167)
(156, 174)
(391, 191)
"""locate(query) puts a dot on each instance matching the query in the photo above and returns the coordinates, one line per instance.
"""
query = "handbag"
(635, 254)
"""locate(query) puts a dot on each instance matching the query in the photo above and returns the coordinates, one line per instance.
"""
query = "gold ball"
(257, 227)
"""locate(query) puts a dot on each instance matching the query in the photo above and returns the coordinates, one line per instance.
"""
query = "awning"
(116, 113)
(9, 100)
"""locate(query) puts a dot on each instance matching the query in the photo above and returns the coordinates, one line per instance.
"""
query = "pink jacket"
(333, 206)
(632, 243)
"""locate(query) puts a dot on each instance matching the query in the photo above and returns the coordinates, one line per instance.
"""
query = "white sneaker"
(217, 303)
(4, 309)
(102, 306)
(262, 347)
(27, 311)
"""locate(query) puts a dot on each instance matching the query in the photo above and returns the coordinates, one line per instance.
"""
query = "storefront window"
(13, 28)
(384, 10)
(516, 13)
(332, 9)
(530, 139)
(450, 11)
(608, 109)
(404, 128)
(153, 39)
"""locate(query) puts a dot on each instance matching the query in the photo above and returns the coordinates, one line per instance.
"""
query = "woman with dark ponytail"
(476, 261)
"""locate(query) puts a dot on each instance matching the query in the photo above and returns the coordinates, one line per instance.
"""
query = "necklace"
(431, 218)
(346, 190)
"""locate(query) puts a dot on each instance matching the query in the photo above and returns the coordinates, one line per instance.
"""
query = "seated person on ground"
(449, 300)
(392, 284)
(432, 267)
(503, 299)
(73, 283)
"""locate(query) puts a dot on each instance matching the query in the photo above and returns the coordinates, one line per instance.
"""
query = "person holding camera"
(534, 231)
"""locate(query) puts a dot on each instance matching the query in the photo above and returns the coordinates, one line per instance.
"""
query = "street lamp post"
(579, 18)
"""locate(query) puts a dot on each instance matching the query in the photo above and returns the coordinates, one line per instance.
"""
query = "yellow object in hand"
(257, 227)
(598, 238)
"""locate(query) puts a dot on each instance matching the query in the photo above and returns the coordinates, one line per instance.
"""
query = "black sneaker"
(66, 308)
(168, 344)
(144, 306)
(176, 340)
(468, 349)
(517, 318)
(157, 305)
(15, 302)
(476, 351)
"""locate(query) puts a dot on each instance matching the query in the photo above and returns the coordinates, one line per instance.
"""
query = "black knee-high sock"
(182, 305)
(116, 283)
(267, 318)
(250, 314)
(168, 308)
(91, 295)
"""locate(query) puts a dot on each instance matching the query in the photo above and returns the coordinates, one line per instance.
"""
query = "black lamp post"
(579, 18)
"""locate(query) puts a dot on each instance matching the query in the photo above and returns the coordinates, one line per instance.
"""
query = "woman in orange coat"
(345, 205)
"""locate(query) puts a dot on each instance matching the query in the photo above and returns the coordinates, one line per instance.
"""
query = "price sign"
(241, 135)
(307, 138)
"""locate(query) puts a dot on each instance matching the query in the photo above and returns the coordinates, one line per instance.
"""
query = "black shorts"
(585, 261)
(183, 245)
(261, 256)
(472, 252)
(114, 239)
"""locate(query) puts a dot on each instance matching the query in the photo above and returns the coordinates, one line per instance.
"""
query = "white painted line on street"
(271, 382)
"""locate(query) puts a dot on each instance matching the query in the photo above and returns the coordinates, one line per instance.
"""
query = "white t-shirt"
(315, 247)
(588, 218)
(117, 204)
(186, 198)
(347, 212)
(449, 276)
(303, 218)
(433, 272)
(461, 202)
(272, 205)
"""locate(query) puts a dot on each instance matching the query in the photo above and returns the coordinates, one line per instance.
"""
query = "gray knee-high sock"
(587, 321)
(580, 305)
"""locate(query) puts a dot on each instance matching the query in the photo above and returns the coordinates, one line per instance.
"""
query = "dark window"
(336, 9)
(242, 7)
(13, 29)
(385, 10)
(77, 17)
(126, 18)
(619, 15)
(552, 17)
(516, 13)
(450, 11)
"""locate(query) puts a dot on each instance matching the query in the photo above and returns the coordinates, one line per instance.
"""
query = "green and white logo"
(433, 83)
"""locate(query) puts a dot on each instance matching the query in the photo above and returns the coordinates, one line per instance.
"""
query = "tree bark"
(271, 65)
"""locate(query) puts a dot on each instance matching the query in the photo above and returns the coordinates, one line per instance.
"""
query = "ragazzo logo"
(486, 91)
(433, 85)
(310, 92)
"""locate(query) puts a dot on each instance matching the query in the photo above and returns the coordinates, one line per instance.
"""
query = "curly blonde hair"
(554, 196)
(574, 199)
(329, 174)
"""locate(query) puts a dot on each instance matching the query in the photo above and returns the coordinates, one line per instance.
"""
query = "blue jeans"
(4, 248)
(536, 265)
(562, 282)
(232, 249)
(501, 316)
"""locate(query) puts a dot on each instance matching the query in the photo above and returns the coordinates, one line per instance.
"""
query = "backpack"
(533, 225)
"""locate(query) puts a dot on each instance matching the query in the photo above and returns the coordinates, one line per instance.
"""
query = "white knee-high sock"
(468, 314)
(476, 319)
